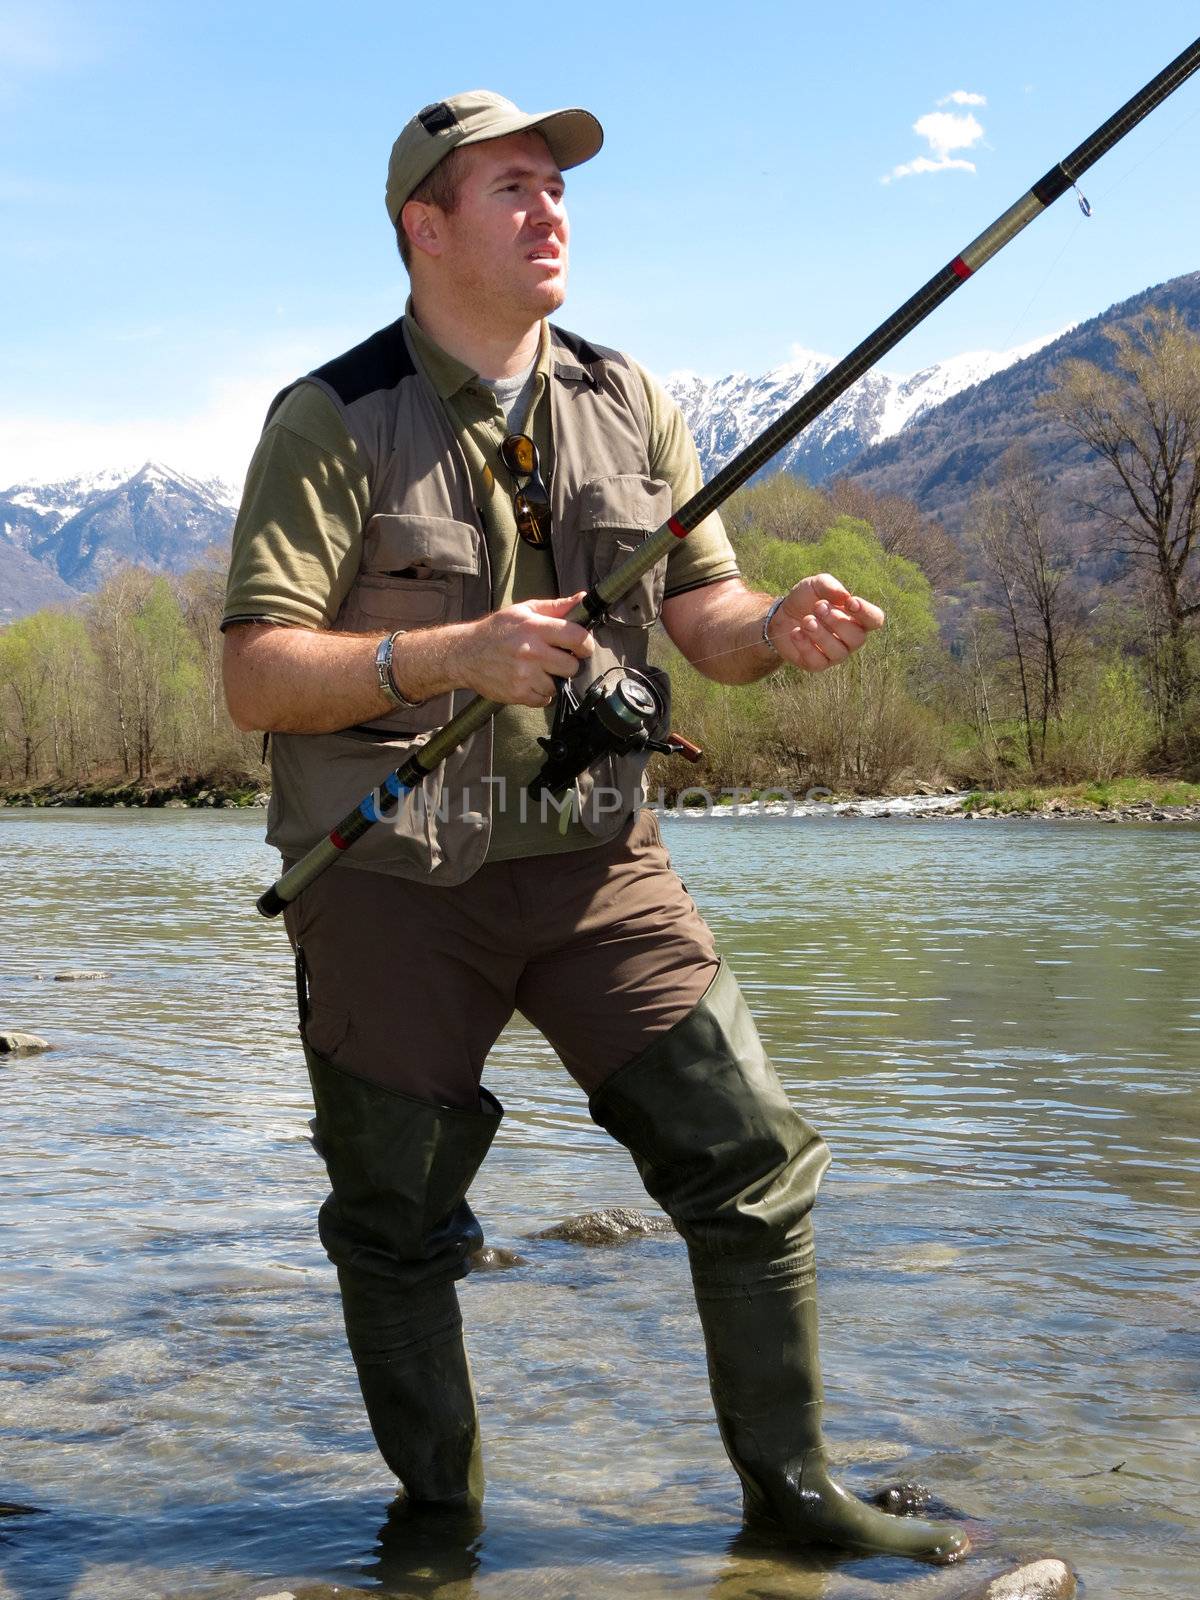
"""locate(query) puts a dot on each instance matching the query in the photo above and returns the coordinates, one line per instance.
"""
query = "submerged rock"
(494, 1258)
(614, 1226)
(1049, 1579)
(13, 1042)
(902, 1499)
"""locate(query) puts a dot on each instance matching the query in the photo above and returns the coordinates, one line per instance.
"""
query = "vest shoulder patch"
(380, 362)
(583, 351)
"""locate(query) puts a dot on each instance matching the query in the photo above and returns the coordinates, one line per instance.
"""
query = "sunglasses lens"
(533, 521)
(519, 454)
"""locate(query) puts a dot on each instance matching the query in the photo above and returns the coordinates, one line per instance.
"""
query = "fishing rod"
(398, 785)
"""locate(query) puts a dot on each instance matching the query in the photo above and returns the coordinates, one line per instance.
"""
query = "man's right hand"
(299, 680)
(517, 655)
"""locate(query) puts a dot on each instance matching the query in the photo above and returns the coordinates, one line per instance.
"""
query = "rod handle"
(270, 904)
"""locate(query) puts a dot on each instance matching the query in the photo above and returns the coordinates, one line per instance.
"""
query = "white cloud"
(963, 97)
(944, 132)
(910, 169)
(948, 130)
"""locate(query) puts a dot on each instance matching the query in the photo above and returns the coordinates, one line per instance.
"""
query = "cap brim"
(574, 135)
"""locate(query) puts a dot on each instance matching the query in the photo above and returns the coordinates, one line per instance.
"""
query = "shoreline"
(961, 806)
(179, 795)
(964, 805)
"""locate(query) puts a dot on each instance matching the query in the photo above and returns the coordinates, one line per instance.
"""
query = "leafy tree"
(780, 507)
(863, 724)
(151, 666)
(23, 675)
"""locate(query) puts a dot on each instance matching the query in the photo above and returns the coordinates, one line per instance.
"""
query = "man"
(420, 517)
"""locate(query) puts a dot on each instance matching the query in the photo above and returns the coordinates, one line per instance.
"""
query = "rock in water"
(614, 1226)
(13, 1042)
(494, 1258)
(902, 1499)
(1050, 1579)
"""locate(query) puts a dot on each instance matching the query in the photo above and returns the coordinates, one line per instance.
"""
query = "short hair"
(441, 189)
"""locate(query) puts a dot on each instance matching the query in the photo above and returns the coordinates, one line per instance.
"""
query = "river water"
(995, 1024)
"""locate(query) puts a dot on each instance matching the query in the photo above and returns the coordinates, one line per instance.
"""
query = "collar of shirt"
(448, 374)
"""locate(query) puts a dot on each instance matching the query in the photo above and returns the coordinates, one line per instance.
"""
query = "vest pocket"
(412, 574)
(616, 517)
(416, 572)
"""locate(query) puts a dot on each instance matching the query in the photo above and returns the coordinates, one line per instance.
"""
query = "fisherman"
(421, 515)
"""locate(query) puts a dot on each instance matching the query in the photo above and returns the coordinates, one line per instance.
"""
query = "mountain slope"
(26, 585)
(934, 437)
(943, 457)
(725, 415)
(80, 530)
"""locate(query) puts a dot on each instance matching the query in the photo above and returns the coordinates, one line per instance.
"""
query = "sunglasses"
(531, 499)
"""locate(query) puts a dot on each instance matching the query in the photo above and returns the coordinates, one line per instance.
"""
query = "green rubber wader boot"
(399, 1230)
(719, 1147)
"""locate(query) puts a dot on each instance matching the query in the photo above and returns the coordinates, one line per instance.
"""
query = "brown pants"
(409, 985)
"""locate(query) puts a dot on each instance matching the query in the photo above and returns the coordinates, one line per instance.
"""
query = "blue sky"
(191, 191)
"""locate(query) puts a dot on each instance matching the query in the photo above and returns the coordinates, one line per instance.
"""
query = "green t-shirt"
(298, 539)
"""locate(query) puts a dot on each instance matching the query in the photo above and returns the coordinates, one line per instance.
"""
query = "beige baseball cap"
(574, 136)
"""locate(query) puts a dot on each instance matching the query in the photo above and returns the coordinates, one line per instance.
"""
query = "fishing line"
(1142, 160)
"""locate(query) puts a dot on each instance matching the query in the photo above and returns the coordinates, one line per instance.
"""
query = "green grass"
(1103, 795)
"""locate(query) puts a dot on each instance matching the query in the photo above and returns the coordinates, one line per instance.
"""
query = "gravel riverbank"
(960, 806)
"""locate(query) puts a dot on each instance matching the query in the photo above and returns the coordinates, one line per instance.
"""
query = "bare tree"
(111, 613)
(1143, 423)
(902, 529)
(201, 595)
(1029, 567)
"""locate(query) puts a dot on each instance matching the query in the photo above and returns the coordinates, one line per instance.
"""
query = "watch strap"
(768, 620)
(383, 667)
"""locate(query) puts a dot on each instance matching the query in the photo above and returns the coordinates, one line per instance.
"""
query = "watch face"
(383, 665)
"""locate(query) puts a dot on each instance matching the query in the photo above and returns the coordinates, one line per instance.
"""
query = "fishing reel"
(614, 717)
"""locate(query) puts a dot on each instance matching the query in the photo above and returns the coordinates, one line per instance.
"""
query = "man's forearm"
(297, 680)
(723, 640)
(814, 626)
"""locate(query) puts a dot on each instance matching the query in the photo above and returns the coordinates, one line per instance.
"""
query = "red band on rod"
(960, 268)
(677, 527)
(338, 842)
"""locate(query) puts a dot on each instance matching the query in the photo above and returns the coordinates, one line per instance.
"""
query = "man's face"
(505, 243)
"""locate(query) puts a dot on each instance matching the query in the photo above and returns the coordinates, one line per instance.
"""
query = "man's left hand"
(820, 623)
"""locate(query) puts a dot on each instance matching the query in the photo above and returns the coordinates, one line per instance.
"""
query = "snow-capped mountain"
(79, 530)
(932, 436)
(85, 527)
(725, 414)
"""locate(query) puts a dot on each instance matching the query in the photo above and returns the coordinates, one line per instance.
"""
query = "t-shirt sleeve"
(297, 541)
(706, 554)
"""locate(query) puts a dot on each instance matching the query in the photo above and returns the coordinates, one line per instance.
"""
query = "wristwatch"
(383, 666)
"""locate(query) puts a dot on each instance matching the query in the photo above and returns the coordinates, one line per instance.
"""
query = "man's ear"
(421, 224)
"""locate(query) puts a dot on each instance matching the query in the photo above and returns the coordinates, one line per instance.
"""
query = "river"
(995, 1024)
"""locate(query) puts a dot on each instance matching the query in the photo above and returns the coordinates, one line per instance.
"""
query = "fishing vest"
(425, 563)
